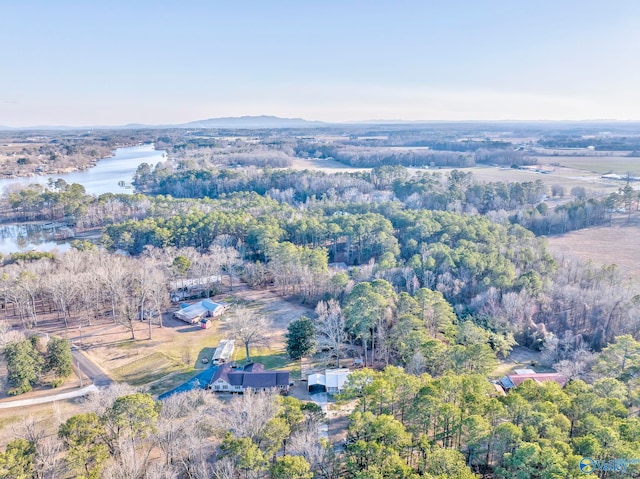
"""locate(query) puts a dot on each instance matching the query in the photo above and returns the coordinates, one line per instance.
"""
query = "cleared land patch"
(146, 369)
(617, 245)
(595, 164)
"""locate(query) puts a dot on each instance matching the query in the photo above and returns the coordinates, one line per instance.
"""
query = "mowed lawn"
(147, 369)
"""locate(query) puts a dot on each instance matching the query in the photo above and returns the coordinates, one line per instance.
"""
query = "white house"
(206, 308)
(253, 377)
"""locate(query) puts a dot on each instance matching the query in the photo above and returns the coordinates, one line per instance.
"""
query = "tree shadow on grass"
(190, 329)
(205, 353)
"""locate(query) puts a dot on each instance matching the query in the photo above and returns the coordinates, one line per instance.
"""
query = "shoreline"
(85, 164)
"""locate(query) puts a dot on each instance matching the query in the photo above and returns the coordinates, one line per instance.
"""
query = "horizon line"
(319, 123)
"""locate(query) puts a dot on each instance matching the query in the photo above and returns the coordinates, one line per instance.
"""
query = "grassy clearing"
(604, 245)
(170, 382)
(520, 358)
(507, 367)
(7, 421)
(147, 369)
(197, 345)
(129, 344)
(205, 353)
(276, 359)
(596, 164)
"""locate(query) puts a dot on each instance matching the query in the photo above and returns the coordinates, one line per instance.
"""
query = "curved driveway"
(87, 367)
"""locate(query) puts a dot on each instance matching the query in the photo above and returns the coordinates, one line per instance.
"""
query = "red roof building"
(512, 380)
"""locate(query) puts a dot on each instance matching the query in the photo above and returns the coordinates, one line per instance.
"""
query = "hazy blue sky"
(95, 62)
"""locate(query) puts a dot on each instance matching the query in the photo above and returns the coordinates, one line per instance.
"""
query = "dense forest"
(472, 242)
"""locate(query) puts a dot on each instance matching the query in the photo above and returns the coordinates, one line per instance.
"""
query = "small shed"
(205, 323)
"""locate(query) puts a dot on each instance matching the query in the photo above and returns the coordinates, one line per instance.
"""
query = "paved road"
(322, 400)
(46, 399)
(90, 369)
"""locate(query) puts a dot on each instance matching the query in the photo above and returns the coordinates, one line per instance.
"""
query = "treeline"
(372, 157)
(522, 203)
(613, 143)
(458, 154)
(199, 153)
(81, 285)
(420, 331)
(212, 183)
(499, 276)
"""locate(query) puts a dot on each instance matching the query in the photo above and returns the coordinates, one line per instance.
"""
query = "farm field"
(328, 166)
(573, 171)
(618, 164)
(604, 245)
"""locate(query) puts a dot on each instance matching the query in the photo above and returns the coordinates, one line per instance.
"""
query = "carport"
(317, 383)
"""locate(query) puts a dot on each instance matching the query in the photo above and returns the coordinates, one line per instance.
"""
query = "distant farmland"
(596, 164)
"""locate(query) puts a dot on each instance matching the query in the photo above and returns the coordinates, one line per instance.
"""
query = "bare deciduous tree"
(228, 256)
(330, 326)
(417, 365)
(47, 448)
(225, 468)
(306, 443)
(104, 399)
(8, 334)
(247, 415)
(250, 328)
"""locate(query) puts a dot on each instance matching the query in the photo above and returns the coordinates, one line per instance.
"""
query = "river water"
(102, 178)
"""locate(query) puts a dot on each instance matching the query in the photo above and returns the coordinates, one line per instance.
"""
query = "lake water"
(102, 178)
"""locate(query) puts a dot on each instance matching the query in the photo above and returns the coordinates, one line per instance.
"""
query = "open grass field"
(146, 369)
(328, 166)
(605, 245)
(520, 358)
(565, 177)
(620, 165)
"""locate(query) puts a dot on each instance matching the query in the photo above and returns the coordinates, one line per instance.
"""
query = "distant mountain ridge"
(235, 122)
(250, 122)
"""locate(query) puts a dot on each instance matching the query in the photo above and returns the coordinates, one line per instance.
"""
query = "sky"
(94, 62)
